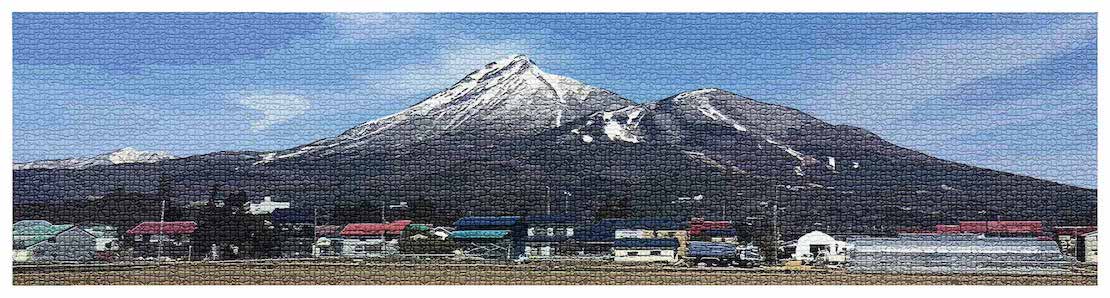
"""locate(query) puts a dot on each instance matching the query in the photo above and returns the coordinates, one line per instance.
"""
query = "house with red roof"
(360, 240)
(162, 240)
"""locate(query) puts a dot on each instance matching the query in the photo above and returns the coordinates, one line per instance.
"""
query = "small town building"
(653, 229)
(1068, 238)
(107, 240)
(361, 240)
(594, 240)
(266, 206)
(474, 243)
(955, 254)
(165, 240)
(486, 244)
(1088, 247)
(328, 241)
(645, 250)
(44, 242)
(294, 233)
(548, 236)
(819, 247)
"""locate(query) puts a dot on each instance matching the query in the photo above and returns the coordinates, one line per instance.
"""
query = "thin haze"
(1013, 92)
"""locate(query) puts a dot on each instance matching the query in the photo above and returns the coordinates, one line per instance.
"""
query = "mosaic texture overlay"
(258, 148)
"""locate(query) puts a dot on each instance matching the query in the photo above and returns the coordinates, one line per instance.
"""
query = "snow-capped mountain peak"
(121, 156)
(511, 96)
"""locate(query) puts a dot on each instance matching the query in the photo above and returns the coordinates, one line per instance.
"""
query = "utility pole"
(566, 202)
(161, 229)
(548, 199)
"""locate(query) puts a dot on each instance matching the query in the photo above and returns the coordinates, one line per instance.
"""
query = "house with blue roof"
(489, 237)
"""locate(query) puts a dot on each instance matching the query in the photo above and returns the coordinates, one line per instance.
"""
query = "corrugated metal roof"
(636, 242)
(480, 234)
(548, 219)
(650, 224)
(371, 229)
(486, 221)
(30, 235)
(955, 254)
(29, 223)
(328, 231)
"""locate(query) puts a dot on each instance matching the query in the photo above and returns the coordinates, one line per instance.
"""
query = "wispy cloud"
(275, 108)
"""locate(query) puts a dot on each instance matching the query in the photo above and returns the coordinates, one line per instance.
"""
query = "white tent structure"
(820, 247)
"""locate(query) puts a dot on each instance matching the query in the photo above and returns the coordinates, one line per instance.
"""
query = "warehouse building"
(950, 254)
(490, 237)
(45, 242)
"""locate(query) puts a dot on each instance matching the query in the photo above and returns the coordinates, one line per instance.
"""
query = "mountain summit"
(509, 97)
(510, 138)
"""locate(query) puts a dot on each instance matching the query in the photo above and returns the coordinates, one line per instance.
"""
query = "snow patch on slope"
(122, 156)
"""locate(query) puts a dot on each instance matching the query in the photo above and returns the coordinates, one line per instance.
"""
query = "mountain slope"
(512, 139)
(121, 156)
(508, 97)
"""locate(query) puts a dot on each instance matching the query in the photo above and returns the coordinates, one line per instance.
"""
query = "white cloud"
(275, 108)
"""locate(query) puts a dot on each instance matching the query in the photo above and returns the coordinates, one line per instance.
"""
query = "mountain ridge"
(506, 137)
(119, 156)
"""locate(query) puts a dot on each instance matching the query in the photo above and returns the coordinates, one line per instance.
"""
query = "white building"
(1089, 242)
(633, 250)
(817, 246)
(267, 206)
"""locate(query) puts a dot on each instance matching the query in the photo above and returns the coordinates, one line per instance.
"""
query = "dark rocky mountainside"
(512, 139)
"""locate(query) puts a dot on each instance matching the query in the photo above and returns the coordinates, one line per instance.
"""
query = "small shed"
(53, 243)
(635, 250)
(820, 247)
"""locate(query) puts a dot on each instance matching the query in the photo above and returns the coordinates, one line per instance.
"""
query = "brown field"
(315, 273)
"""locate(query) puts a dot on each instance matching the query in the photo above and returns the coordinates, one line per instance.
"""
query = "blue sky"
(1013, 92)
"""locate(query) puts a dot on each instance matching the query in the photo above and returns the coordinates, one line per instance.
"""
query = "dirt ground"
(314, 273)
